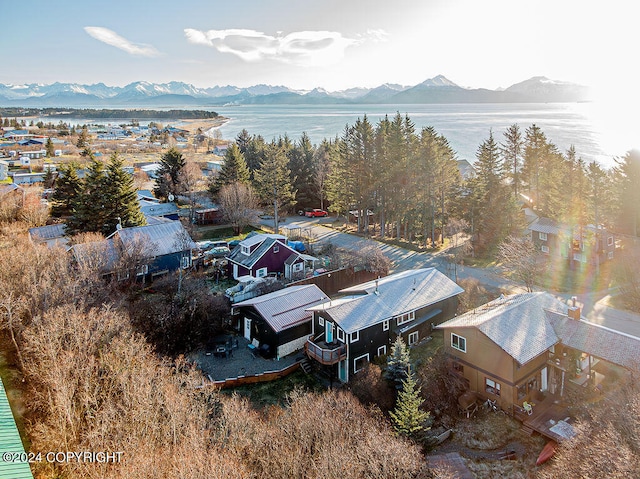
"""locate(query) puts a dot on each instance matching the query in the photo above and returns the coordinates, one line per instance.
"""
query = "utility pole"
(275, 209)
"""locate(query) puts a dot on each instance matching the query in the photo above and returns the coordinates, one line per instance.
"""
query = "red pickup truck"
(314, 213)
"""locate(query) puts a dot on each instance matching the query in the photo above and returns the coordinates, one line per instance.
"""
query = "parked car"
(315, 213)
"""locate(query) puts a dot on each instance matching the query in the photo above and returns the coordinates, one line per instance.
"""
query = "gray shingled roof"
(396, 294)
(287, 307)
(596, 340)
(248, 261)
(517, 323)
(163, 238)
(545, 225)
(48, 232)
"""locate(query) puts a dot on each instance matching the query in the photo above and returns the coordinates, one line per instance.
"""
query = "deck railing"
(325, 355)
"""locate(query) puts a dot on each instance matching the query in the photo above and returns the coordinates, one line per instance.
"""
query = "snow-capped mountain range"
(140, 94)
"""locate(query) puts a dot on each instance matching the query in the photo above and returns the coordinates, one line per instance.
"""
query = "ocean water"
(464, 125)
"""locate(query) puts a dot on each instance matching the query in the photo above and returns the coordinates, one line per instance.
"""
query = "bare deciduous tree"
(239, 204)
(520, 257)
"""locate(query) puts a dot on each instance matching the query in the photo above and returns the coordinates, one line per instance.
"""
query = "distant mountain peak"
(439, 80)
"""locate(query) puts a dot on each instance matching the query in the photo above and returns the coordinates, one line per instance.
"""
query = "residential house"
(577, 245)
(279, 323)
(28, 178)
(351, 330)
(4, 170)
(50, 235)
(146, 251)
(152, 207)
(522, 347)
(12, 192)
(261, 255)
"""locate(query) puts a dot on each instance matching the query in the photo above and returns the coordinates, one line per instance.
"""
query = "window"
(320, 320)
(522, 391)
(261, 273)
(385, 325)
(413, 338)
(382, 350)
(492, 387)
(144, 269)
(458, 342)
(298, 267)
(276, 249)
(186, 262)
(610, 241)
(360, 362)
(341, 334)
(405, 318)
(610, 255)
(544, 248)
(355, 336)
(542, 236)
(245, 250)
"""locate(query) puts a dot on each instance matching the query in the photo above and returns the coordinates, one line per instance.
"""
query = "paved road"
(594, 306)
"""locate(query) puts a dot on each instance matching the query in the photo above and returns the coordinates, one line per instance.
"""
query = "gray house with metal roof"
(350, 331)
(279, 323)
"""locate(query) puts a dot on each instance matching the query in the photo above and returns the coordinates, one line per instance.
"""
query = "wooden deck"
(549, 418)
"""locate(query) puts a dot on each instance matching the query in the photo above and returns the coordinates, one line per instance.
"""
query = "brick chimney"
(574, 312)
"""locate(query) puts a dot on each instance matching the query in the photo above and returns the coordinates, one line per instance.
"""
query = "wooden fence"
(255, 378)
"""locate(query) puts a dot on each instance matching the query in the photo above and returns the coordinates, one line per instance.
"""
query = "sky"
(332, 44)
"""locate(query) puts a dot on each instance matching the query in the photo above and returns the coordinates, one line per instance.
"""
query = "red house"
(260, 255)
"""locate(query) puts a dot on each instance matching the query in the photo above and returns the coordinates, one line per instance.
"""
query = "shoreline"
(205, 124)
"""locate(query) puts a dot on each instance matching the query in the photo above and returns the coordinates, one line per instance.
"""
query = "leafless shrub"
(370, 387)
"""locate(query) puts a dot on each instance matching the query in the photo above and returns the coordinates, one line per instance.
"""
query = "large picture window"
(458, 342)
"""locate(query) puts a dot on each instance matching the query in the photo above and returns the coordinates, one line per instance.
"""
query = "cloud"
(305, 48)
(112, 38)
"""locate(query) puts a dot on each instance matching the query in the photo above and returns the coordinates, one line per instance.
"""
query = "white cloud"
(306, 48)
(112, 38)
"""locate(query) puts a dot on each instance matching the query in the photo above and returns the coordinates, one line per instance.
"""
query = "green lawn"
(276, 392)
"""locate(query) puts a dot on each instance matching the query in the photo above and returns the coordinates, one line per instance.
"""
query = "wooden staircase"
(305, 365)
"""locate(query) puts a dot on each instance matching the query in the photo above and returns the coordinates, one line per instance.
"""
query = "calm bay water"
(464, 125)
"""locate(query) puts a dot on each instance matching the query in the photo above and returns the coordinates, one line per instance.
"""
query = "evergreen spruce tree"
(398, 362)
(51, 152)
(168, 175)
(120, 198)
(273, 182)
(234, 170)
(89, 209)
(301, 164)
(67, 190)
(407, 417)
